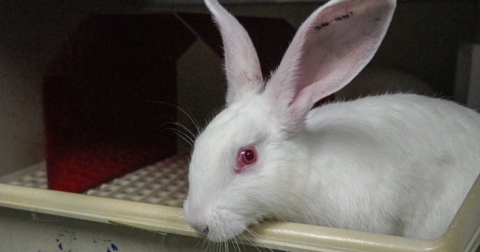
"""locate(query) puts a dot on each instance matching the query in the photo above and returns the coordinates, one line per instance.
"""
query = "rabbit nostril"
(202, 229)
(205, 231)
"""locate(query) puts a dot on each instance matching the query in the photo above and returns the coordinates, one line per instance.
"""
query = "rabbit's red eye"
(246, 157)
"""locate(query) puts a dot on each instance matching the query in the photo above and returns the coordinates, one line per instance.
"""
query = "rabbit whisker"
(184, 136)
(248, 239)
(257, 237)
(195, 123)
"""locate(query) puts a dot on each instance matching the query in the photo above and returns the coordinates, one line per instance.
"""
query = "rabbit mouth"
(225, 225)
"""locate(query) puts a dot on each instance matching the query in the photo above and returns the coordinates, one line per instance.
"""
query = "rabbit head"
(249, 161)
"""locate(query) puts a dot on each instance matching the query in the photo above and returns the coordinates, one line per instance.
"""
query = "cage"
(87, 161)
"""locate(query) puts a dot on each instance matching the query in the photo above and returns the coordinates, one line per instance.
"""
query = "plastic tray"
(151, 199)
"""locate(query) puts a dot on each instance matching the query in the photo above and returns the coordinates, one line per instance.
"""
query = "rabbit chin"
(225, 225)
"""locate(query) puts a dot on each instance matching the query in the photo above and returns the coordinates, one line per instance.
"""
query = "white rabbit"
(394, 164)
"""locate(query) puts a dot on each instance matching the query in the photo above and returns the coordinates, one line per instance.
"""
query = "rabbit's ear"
(242, 67)
(330, 48)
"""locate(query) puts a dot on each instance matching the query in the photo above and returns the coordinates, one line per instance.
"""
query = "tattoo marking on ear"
(318, 28)
(339, 18)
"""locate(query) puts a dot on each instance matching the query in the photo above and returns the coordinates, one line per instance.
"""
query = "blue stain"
(108, 250)
(60, 247)
(57, 240)
(114, 247)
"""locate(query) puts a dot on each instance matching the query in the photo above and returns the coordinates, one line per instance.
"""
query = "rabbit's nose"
(201, 229)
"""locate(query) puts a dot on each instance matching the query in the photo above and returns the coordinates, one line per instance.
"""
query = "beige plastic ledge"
(462, 235)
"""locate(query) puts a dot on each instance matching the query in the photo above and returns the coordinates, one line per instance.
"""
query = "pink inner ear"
(338, 42)
(324, 43)
(330, 48)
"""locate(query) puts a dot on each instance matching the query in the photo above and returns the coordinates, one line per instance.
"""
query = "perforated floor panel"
(163, 183)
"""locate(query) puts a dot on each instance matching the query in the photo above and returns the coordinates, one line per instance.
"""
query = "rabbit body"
(393, 164)
(399, 174)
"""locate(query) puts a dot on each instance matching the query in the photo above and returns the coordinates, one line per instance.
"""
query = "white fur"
(242, 66)
(393, 164)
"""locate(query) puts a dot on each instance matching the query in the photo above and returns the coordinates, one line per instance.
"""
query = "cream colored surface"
(462, 235)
